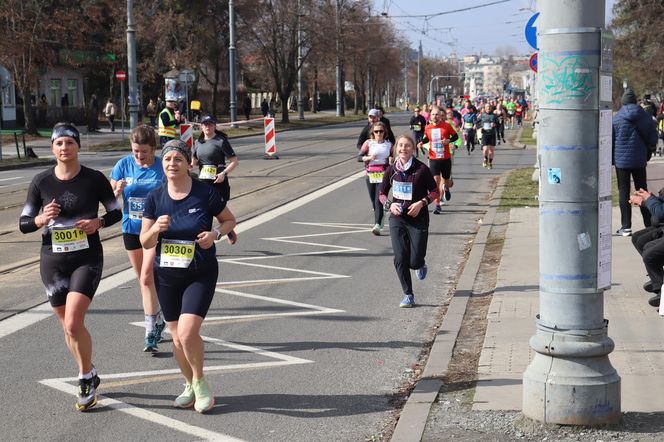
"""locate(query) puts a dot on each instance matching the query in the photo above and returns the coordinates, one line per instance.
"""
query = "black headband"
(178, 146)
(66, 130)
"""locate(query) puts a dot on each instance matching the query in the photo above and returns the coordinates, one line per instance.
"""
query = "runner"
(501, 113)
(413, 189)
(488, 121)
(469, 123)
(133, 177)
(510, 107)
(417, 124)
(518, 114)
(177, 219)
(211, 151)
(455, 122)
(376, 153)
(440, 134)
(71, 257)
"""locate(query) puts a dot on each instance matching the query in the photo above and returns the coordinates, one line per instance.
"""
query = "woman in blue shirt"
(177, 219)
(133, 177)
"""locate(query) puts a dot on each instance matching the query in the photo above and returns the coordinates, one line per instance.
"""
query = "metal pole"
(131, 66)
(419, 57)
(339, 80)
(186, 95)
(300, 78)
(231, 62)
(122, 107)
(405, 80)
(570, 380)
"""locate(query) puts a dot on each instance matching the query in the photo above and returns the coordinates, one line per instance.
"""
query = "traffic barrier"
(187, 134)
(270, 144)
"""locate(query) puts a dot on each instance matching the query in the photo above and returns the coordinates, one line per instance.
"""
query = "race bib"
(376, 177)
(486, 126)
(468, 125)
(208, 172)
(176, 253)
(136, 206)
(437, 145)
(402, 190)
(68, 239)
(416, 127)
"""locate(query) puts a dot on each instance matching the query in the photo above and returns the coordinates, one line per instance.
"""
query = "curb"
(26, 165)
(413, 418)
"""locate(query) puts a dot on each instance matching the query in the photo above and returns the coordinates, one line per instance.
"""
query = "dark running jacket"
(633, 132)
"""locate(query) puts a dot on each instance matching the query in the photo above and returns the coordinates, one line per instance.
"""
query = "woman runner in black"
(71, 258)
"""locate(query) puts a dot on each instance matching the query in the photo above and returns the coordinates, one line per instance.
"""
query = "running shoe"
(186, 399)
(504, 140)
(158, 330)
(376, 229)
(648, 287)
(490, 165)
(448, 194)
(655, 300)
(421, 273)
(407, 302)
(87, 393)
(624, 232)
(437, 210)
(204, 400)
(150, 343)
(485, 163)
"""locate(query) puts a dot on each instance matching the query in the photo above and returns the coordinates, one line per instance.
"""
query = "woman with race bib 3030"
(133, 177)
(71, 258)
(376, 153)
(177, 219)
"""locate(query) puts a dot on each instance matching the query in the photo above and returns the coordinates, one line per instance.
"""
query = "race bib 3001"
(68, 239)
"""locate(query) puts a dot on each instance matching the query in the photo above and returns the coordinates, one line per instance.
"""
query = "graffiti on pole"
(566, 78)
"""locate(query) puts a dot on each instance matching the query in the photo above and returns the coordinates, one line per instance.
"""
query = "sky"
(484, 29)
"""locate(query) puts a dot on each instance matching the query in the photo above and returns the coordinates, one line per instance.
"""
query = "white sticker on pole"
(270, 145)
(187, 134)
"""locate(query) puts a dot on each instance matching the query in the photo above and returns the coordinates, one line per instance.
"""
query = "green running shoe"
(204, 400)
(186, 399)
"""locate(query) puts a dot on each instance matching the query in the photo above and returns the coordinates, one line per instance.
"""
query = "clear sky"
(482, 29)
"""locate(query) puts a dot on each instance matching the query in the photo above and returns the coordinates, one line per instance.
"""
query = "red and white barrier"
(187, 134)
(270, 142)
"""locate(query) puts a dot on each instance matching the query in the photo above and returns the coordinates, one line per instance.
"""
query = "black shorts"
(185, 291)
(131, 241)
(224, 188)
(489, 139)
(78, 271)
(441, 168)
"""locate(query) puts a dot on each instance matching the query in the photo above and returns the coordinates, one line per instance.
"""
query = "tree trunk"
(215, 91)
(284, 108)
(28, 110)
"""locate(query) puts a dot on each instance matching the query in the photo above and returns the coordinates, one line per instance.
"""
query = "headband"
(66, 130)
(178, 146)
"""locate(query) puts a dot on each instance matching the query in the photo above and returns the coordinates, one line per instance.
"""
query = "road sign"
(531, 31)
(121, 75)
(187, 76)
(532, 63)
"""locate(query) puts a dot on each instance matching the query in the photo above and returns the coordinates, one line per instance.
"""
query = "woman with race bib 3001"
(177, 219)
(71, 258)
(133, 177)
(413, 189)
(376, 153)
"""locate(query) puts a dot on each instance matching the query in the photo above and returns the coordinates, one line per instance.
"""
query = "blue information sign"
(531, 31)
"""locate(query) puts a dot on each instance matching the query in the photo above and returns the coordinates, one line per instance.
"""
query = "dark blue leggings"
(185, 291)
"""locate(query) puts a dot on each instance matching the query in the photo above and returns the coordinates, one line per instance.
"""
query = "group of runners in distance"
(168, 222)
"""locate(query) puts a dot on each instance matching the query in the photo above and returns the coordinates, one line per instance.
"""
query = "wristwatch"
(219, 235)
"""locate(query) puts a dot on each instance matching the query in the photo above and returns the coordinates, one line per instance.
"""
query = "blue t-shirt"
(189, 217)
(140, 181)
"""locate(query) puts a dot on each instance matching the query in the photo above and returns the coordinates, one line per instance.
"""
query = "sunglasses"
(379, 131)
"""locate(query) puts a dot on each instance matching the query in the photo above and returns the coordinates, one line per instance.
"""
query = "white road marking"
(10, 178)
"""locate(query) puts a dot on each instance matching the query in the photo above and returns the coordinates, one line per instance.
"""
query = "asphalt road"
(305, 340)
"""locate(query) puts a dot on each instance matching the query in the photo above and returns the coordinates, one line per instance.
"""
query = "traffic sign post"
(121, 76)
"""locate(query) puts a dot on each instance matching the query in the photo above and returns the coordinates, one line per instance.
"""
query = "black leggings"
(470, 139)
(185, 291)
(374, 190)
(78, 271)
(409, 243)
(640, 182)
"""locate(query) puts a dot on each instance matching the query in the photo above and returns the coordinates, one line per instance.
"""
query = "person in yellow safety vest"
(169, 118)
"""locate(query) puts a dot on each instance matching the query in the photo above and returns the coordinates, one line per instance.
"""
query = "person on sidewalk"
(413, 189)
(634, 131)
(169, 119)
(649, 242)
(109, 111)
